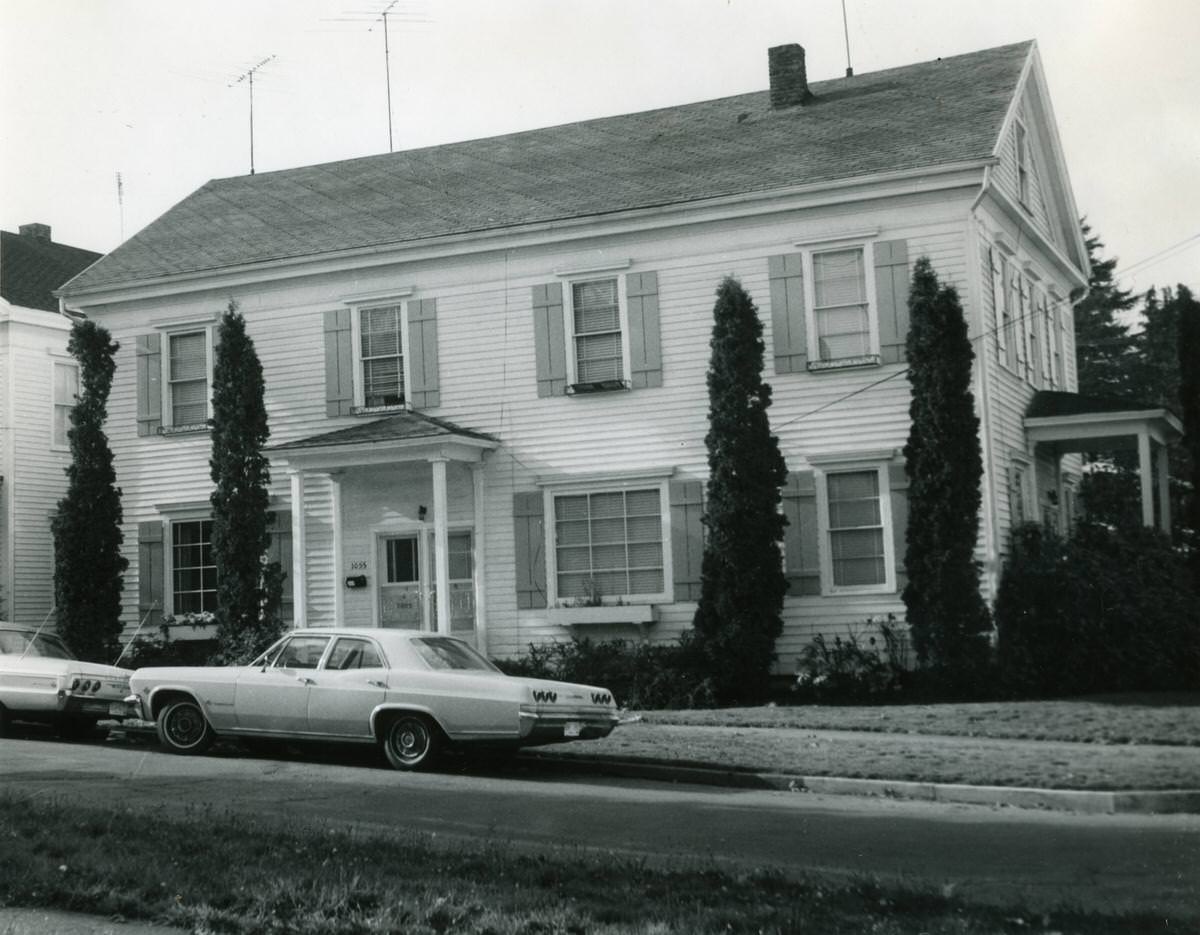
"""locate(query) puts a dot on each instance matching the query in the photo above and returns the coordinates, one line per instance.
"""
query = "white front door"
(401, 603)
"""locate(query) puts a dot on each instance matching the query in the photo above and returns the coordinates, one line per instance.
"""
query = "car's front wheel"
(411, 741)
(183, 728)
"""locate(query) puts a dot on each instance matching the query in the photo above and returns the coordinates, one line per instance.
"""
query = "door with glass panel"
(400, 599)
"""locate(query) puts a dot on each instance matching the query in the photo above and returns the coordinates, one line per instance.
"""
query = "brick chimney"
(789, 78)
(36, 231)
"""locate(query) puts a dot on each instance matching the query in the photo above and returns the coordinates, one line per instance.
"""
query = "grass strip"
(215, 873)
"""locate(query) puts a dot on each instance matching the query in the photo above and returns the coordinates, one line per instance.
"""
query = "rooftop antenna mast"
(387, 68)
(248, 75)
(121, 204)
(846, 32)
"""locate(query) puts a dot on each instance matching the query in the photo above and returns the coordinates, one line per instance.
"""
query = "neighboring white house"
(485, 361)
(38, 383)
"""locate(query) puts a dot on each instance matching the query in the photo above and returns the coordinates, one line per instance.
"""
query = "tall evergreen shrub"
(1189, 404)
(946, 613)
(248, 588)
(88, 564)
(738, 617)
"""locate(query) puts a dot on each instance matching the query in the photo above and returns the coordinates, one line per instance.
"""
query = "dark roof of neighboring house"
(31, 268)
(400, 427)
(932, 114)
(1048, 404)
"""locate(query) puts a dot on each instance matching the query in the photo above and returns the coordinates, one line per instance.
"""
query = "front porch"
(388, 522)
(1058, 424)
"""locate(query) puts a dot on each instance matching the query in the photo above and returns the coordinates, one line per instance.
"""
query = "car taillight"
(95, 686)
(75, 684)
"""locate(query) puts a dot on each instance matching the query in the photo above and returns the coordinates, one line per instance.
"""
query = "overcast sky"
(148, 88)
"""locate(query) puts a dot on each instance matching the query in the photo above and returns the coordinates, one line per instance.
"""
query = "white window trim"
(821, 472)
(667, 595)
(184, 513)
(360, 389)
(61, 360)
(569, 282)
(168, 409)
(872, 357)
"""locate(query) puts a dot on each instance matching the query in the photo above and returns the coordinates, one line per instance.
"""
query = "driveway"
(1106, 863)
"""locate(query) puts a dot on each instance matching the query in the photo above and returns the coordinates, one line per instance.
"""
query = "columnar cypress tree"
(742, 581)
(87, 526)
(1189, 400)
(946, 613)
(248, 589)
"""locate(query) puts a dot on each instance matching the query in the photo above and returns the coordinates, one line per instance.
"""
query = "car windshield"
(18, 642)
(440, 652)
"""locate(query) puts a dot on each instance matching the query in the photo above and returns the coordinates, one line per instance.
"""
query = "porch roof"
(1075, 422)
(405, 436)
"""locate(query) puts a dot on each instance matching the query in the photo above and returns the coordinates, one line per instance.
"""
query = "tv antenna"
(248, 75)
(411, 12)
(121, 204)
(846, 32)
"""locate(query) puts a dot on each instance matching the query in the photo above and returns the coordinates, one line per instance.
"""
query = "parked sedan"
(414, 693)
(40, 680)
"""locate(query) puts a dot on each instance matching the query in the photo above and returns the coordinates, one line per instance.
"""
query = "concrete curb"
(1139, 802)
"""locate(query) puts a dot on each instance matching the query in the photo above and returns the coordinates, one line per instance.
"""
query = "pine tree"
(946, 613)
(1188, 322)
(742, 585)
(248, 589)
(88, 564)
(1102, 342)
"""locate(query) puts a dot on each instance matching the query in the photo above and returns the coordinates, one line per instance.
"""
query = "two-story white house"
(485, 361)
(38, 384)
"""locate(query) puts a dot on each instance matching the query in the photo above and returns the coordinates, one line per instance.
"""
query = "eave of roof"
(926, 115)
(402, 427)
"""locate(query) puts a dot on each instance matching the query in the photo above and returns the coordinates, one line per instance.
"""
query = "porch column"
(1145, 475)
(1164, 489)
(477, 542)
(441, 558)
(299, 552)
(339, 590)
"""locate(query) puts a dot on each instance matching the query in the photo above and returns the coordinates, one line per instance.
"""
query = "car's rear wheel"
(411, 741)
(183, 728)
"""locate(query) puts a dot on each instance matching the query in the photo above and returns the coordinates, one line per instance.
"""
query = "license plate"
(120, 709)
(572, 729)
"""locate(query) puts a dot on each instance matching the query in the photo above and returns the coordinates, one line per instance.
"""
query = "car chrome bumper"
(538, 727)
(96, 706)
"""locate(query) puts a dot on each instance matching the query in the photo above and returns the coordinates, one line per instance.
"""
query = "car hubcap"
(185, 727)
(410, 740)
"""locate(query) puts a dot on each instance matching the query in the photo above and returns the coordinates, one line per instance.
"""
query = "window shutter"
(898, 482)
(687, 537)
(339, 363)
(789, 327)
(530, 537)
(1000, 322)
(151, 571)
(550, 340)
(801, 536)
(891, 299)
(645, 342)
(148, 352)
(422, 364)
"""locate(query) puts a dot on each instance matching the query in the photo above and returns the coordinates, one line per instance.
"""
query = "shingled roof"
(32, 267)
(932, 114)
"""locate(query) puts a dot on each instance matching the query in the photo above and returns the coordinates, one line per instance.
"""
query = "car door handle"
(376, 683)
(305, 680)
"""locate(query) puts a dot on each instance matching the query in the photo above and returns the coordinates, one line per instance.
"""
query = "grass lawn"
(1127, 742)
(210, 873)
(1169, 719)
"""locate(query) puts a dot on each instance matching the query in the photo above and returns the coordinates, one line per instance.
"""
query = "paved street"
(1148, 863)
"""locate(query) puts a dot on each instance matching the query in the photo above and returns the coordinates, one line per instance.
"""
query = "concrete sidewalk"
(52, 922)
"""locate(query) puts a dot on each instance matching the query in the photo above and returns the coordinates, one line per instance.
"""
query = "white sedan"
(414, 693)
(40, 680)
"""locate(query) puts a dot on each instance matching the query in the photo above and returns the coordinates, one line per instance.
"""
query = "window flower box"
(640, 614)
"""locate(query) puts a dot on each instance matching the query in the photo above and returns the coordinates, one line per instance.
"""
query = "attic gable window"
(1022, 146)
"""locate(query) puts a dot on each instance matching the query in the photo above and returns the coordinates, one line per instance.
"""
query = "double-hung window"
(193, 569)
(381, 355)
(66, 392)
(841, 308)
(855, 519)
(187, 377)
(609, 545)
(597, 340)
